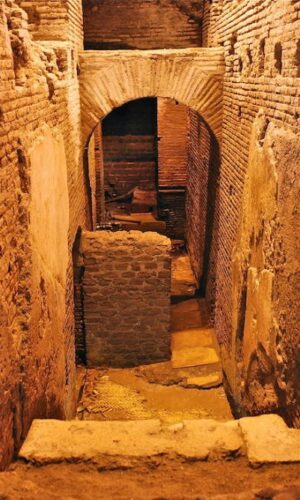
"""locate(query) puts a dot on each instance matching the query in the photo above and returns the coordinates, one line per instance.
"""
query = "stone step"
(194, 347)
(189, 314)
(53, 441)
(264, 439)
(269, 440)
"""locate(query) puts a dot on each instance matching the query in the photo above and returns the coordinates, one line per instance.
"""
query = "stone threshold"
(263, 440)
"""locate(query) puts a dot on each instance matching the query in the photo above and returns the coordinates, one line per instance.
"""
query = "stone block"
(117, 442)
(269, 440)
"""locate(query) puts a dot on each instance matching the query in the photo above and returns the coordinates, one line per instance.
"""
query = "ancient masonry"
(236, 64)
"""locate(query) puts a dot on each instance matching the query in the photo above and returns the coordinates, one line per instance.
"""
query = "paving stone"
(269, 440)
(183, 279)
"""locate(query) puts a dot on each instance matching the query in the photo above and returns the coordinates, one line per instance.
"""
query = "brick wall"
(202, 205)
(197, 191)
(172, 122)
(261, 42)
(45, 13)
(171, 209)
(126, 286)
(79, 330)
(91, 164)
(129, 147)
(129, 161)
(100, 178)
(39, 93)
(141, 24)
(63, 16)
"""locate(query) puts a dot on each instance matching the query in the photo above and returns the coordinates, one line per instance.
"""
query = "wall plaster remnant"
(260, 288)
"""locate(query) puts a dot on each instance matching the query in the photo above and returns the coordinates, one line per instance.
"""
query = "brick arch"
(193, 77)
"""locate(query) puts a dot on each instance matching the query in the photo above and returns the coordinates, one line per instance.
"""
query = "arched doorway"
(194, 359)
(193, 77)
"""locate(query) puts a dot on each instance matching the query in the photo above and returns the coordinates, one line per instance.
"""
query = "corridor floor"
(187, 387)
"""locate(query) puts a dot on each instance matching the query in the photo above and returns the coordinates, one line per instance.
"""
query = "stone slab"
(194, 356)
(269, 440)
(184, 283)
(193, 337)
(264, 439)
(54, 441)
(205, 382)
(137, 217)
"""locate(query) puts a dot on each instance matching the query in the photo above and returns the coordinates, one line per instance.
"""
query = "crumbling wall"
(123, 24)
(58, 20)
(126, 287)
(261, 42)
(39, 93)
(42, 15)
(266, 274)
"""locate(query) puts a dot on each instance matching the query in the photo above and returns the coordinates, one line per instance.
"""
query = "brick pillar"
(126, 286)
